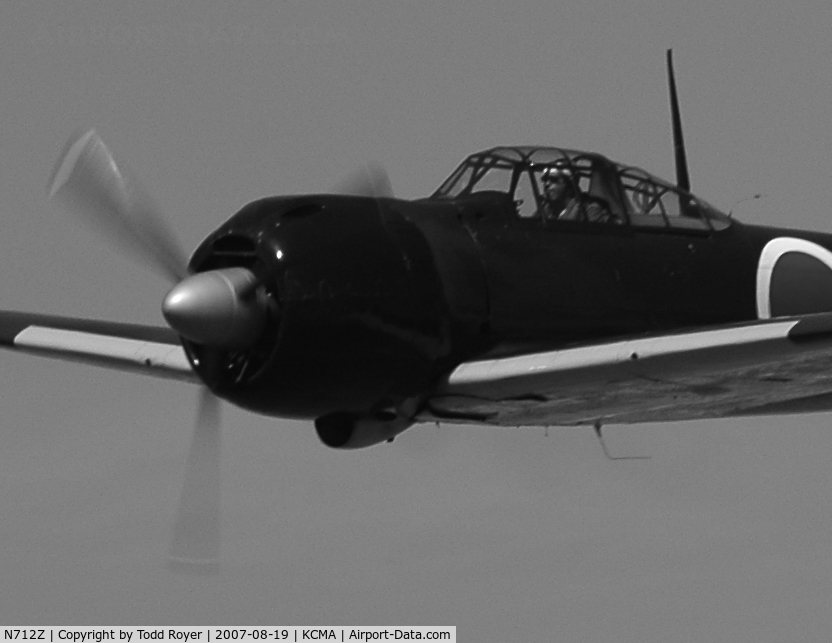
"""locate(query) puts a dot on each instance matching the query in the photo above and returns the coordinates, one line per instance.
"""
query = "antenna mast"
(682, 177)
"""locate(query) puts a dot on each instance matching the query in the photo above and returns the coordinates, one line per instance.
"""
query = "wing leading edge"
(149, 350)
(781, 365)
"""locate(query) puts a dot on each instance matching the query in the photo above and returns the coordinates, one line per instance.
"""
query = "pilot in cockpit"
(560, 196)
(564, 201)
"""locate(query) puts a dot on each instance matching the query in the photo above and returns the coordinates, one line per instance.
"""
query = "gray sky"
(508, 534)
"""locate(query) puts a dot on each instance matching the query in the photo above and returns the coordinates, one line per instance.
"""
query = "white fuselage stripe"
(128, 351)
(614, 353)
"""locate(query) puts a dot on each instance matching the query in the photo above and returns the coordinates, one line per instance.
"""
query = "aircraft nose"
(217, 308)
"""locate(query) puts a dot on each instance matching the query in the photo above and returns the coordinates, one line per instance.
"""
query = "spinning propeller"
(217, 308)
(370, 180)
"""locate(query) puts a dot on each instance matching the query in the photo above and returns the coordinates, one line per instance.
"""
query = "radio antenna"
(682, 176)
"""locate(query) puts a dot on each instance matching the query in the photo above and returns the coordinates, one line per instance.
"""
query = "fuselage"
(551, 285)
(376, 299)
(370, 302)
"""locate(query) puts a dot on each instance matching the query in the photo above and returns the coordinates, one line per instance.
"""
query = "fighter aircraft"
(536, 286)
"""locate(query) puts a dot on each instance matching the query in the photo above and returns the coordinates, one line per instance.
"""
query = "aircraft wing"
(133, 347)
(772, 366)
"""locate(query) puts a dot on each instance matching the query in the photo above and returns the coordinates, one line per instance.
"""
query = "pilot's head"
(557, 182)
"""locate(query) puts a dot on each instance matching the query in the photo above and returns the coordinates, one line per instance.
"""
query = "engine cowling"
(353, 431)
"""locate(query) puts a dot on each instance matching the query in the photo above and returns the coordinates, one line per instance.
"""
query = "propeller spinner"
(217, 308)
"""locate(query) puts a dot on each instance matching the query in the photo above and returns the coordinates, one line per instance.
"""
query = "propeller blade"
(87, 178)
(196, 536)
(371, 180)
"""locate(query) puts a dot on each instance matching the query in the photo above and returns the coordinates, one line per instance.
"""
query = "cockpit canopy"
(554, 184)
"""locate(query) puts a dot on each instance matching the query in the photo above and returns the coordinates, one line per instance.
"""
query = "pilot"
(565, 202)
(560, 197)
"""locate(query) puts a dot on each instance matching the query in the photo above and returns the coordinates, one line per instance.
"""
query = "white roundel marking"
(773, 250)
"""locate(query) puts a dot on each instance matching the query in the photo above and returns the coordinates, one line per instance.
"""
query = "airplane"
(486, 303)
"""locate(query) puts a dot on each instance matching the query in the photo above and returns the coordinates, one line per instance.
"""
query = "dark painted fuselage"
(374, 300)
